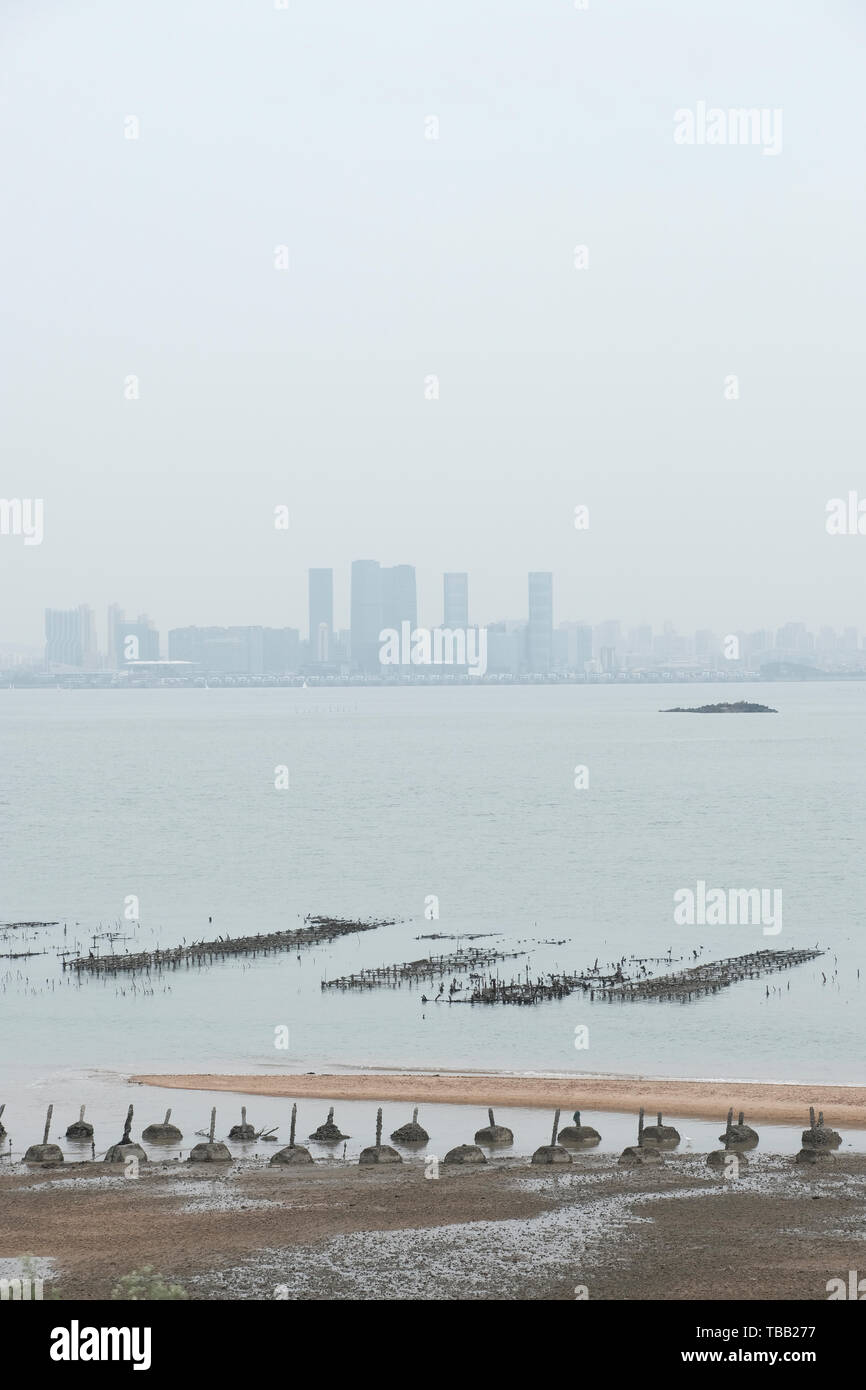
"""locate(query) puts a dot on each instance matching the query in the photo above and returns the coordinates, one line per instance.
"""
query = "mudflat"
(509, 1231)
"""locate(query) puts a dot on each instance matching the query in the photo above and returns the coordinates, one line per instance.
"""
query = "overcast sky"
(411, 257)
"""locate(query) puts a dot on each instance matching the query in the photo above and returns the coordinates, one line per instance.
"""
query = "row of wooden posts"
(818, 1141)
(316, 931)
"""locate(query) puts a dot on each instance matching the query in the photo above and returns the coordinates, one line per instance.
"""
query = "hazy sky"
(411, 257)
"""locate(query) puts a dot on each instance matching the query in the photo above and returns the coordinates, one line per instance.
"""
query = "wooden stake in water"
(47, 1123)
(741, 1120)
(212, 1124)
(81, 1114)
(243, 1114)
(659, 1119)
(729, 1126)
(127, 1127)
(490, 1118)
(378, 1127)
(555, 1130)
(292, 1128)
(640, 1127)
(415, 1116)
(167, 1117)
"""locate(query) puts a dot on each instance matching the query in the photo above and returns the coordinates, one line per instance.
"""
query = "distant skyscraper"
(321, 613)
(578, 650)
(399, 602)
(115, 619)
(70, 637)
(366, 614)
(138, 641)
(456, 596)
(540, 630)
(90, 646)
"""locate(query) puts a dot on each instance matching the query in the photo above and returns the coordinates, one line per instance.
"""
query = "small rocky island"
(737, 707)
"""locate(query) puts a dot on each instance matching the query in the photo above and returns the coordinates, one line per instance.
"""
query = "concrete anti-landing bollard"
(552, 1152)
(581, 1135)
(243, 1132)
(412, 1132)
(210, 1150)
(80, 1128)
(465, 1153)
(125, 1148)
(818, 1136)
(739, 1136)
(45, 1152)
(379, 1152)
(721, 1158)
(639, 1154)
(164, 1133)
(328, 1133)
(494, 1134)
(661, 1136)
(293, 1153)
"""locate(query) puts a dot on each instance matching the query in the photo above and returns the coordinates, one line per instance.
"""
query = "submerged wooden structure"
(708, 978)
(206, 952)
(427, 968)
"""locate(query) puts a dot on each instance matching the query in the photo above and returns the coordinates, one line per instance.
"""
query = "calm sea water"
(396, 795)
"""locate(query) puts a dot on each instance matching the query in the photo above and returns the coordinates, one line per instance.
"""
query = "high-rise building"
(540, 630)
(399, 602)
(138, 641)
(456, 600)
(70, 637)
(578, 651)
(115, 617)
(366, 614)
(583, 646)
(88, 637)
(321, 584)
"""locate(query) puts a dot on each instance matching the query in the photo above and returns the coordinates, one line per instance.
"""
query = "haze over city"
(284, 272)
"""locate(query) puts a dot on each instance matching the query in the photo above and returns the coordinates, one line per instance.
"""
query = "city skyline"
(384, 598)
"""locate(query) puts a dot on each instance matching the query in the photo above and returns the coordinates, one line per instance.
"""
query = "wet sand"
(503, 1232)
(843, 1106)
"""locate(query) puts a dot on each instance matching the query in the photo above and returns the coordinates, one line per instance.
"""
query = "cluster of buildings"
(384, 598)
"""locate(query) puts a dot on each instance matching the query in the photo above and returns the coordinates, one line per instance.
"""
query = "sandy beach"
(770, 1101)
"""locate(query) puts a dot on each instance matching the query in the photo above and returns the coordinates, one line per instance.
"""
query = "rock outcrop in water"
(733, 707)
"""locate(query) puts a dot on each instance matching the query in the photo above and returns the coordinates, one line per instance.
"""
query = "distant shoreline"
(774, 1102)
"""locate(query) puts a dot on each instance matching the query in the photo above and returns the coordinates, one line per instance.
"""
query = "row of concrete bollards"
(818, 1141)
